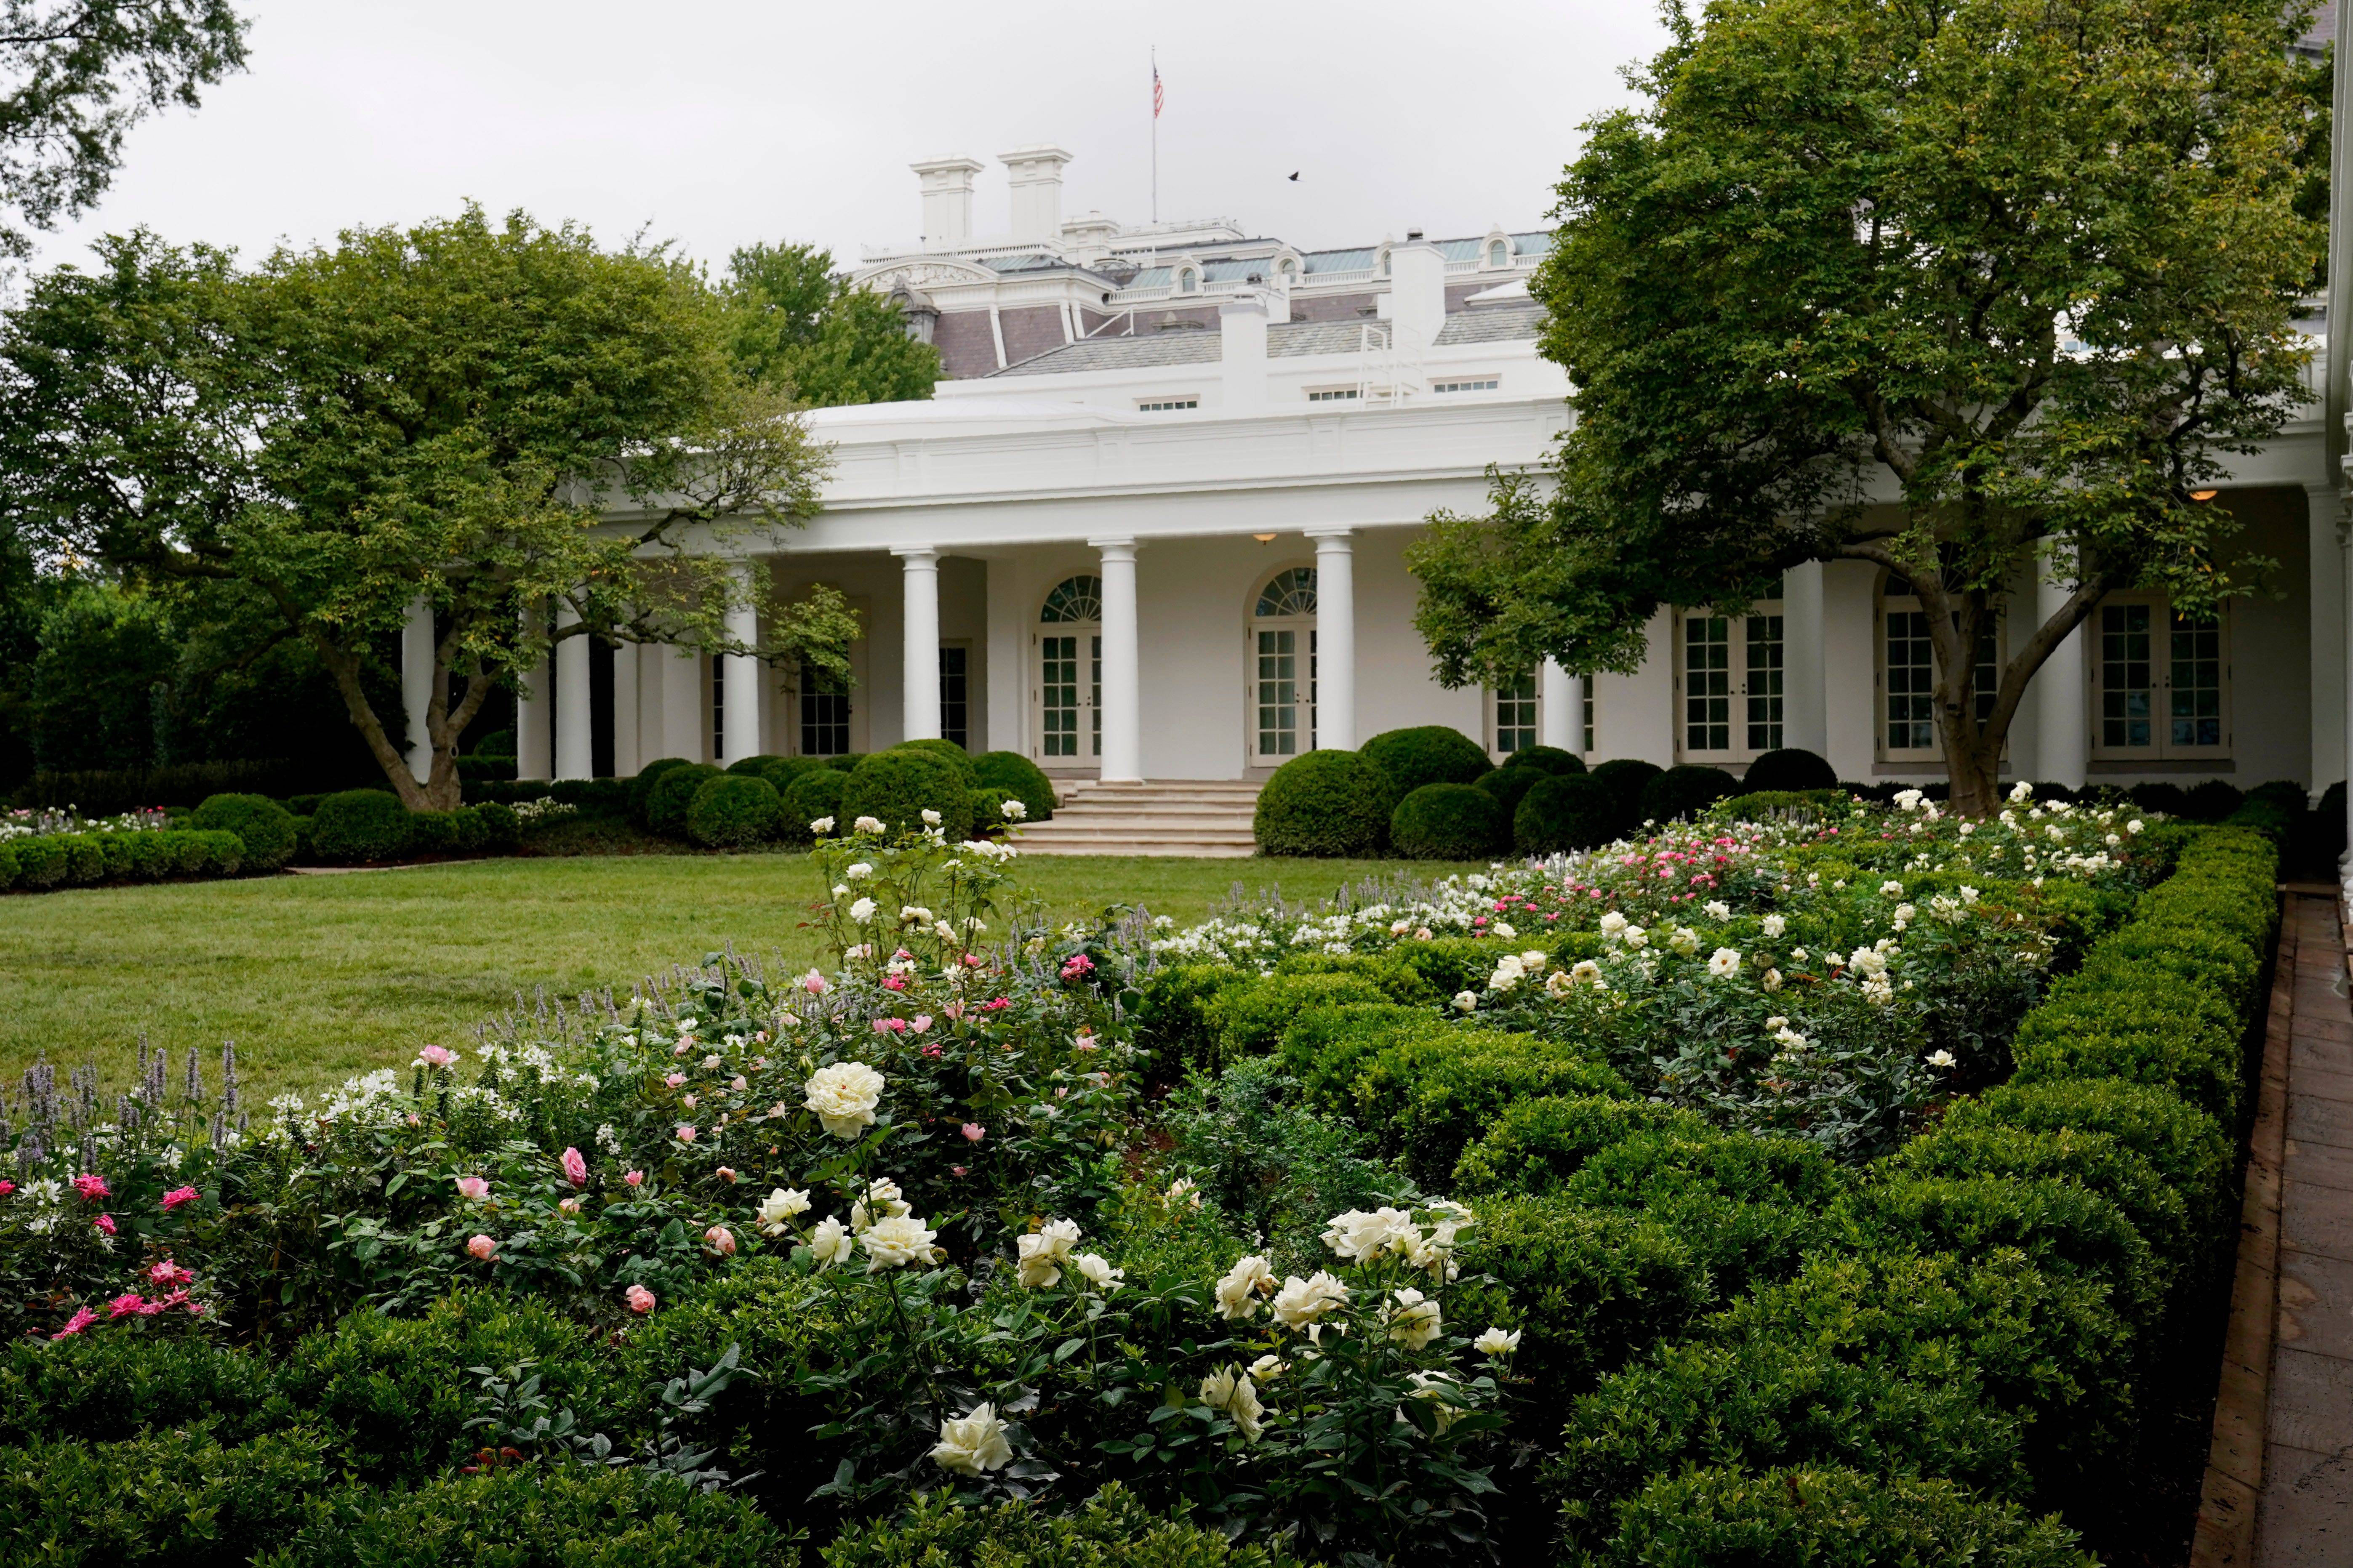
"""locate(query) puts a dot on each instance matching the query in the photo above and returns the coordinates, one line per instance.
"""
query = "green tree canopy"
(455, 412)
(797, 326)
(1968, 290)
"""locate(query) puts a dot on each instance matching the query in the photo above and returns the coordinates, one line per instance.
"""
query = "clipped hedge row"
(34, 865)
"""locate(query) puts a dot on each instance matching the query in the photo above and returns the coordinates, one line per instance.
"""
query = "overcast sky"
(716, 122)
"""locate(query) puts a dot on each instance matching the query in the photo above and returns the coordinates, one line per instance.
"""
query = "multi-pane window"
(1707, 683)
(1763, 694)
(1907, 673)
(1336, 394)
(1282, 669)
(1480, 383)
(1728, 674)
(1279, 694)
(2161, 682)
(955, 696)
(717, 707)
(1167, 405)
(1069, 670)
(825, 713)
(1515, 715)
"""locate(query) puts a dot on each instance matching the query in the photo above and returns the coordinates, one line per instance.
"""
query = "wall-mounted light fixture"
(1263, 538)
(2203, 495)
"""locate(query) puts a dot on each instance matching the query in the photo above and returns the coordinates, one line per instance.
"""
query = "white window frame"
(1335, 395)
(1495, 704)
(1882, 605)
(1468, 383)
(1736, 694)
(2163, 747)
(1172, 403)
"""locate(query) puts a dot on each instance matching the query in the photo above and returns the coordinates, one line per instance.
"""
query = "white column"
(1560, 708)
(1123, 675)
(2063, 733)
(2345, 645)
(626, 759)
(534, 756)
(575, 717)
(919, 675)
(1336, 639)
(416, 684)
(2325, 616)
(741, 714)
(686, 722)
(1805, 708)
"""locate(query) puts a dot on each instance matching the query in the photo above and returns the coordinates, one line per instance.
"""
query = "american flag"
(1159, 98)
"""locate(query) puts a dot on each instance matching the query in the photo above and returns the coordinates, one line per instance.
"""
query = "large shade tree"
(797, 324)
(1968, 290)
(495, 418)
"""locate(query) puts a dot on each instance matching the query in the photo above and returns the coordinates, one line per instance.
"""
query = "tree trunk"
(442, 789)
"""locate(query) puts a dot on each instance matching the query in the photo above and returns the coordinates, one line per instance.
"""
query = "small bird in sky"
(1294, 174)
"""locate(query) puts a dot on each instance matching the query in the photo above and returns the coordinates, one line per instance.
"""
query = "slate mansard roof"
(1284, 340)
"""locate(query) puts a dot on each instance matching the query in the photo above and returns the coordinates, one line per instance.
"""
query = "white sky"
(716, 122)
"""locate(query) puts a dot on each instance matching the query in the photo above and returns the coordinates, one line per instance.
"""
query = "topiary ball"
(642, 787)
(264, 827)
(2208, 801)
(1322, 803)
(1790, 768)
(897, 786)
(2168, 798)
(1569, 812)
(952, 752)
(1449, 822)
(1551, 759)
(672, 796)
(780, 771)
(812, 797)
(734, 811)
(1683, 791)
(1626, 776)
(1509, 784)
(497, 743)
(754, 764)
(360, 824)
(1021, 779)
(847, 763)
(1426, 753)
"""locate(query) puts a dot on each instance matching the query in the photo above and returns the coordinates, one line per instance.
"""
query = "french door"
(1069, 696)
(1283, 691)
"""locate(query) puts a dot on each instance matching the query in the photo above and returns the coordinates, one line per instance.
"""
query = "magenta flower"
(974, 1131)
(83, 1317)
(105, 1222)
(7, 1188)
(894, 982)
(639, 1298)
(474, 1189)
(167, 1274)
(482, 1246)
(179, 1195)
(92, 1187)
(576, 1167)
(1077, 966)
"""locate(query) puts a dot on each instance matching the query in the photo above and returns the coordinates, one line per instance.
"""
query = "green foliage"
(757, 763)
(1112, 1530)
(265, 828)
(1173, 1018)
(1683, 791)
(1547, 759)
(1449, 822)
(1536, 1145)
(897, 786)
(1021, 779)
(1425, 1099)
(360, 824)
(1271, 1165)
(795, 324)
(780, 771)
(1626, 777)
(671, 799)
(1424, 754)
(641, 787)
(811, 797)
(734, 811)
(1578, 811)
(106, 1388)
(1327, 804)
(1790, 768)
(1250, 1017)
(173, 1496)
(966, 769)
(1510, 782)
(92, 695)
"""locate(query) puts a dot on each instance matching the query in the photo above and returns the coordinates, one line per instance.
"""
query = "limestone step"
(1210, 818)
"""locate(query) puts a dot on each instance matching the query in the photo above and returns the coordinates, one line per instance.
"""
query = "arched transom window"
(1074, 599)
(1290, 592)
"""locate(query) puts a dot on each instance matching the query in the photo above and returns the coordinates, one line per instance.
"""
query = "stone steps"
(1203, 818)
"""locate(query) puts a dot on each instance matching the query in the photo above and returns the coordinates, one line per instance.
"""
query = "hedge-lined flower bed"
(1846, 1192)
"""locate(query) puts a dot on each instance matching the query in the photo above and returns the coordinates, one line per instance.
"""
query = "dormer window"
(1287, 271)
(1499, 253)
(1188, 281)
(1382, 264)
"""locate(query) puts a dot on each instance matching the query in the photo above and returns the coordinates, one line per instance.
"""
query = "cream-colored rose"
(830, 1243)
(973, 1444)
(1415, 1321)
(1238, 1291)
(844, 1097)
(895, 1241)
(1301, 1302)
(1228, 1389)
(780, 1206)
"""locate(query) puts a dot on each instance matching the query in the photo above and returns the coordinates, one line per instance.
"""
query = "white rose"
(973, 1444)
(895, 1242)
(1559, 982)
(1718, 911)
(1505, 932)
(844, 1095)
(1043, 1252)
(1532, 962)
(1635, 937)
(860, 871)
(1303, 1302)
(1775, 925)
(1891, 889)
(1228, 1389)
(1612, 923)
(862, 911)
(1943, 1059)
(1771, 980)
(821, 826)
(1238, 1291)
(1497, 1343)
(2132, 827)
(830, 1243)
(1438, 1387)
(931, 817)
(1360, 1237)
(1724, 963)
(1907, 912)
(781, 1205)
(1098, 1271)
(1415, 1321)
(867, 824)
(1684, 941)
(1466, 1001)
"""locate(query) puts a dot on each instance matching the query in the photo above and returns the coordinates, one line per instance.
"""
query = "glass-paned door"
(2127, 676)
(955, 695)
(1764, 685)
(2194, 705)
(1282, 697)
(1515, 715)
(825, 713)
(1911, 682)
(1070, 673)
(1707, 683)
(2160, 683)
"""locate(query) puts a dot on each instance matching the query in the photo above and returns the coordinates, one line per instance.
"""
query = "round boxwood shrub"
(1626, 776)
(1572, 811)
(734, 811)
(897, 786)
(502, 828)
(1686, 789)
(756, 763)
(266, 827)
(2213, 800)
(1509, 784)
(1449, 822)
(782, 771)
(847, 763)
(809, 798)
(1424, 754)
(1790, 768)
(359, 825)
(1021, 779)
(1551, 759)
(954, 753)
(642, 787)
(41, 862)
(1323, 802)
(672, 796)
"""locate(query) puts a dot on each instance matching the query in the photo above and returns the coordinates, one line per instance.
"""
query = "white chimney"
(947, 199)
(1037, 177)
(1417, 301)
(1241, 351)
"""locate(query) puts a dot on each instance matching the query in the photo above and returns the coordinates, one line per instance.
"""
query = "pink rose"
(634, 1178)
(168, 1273)
(675, 1079)
(83, 1317)
(127, 1305)
(105, 1222)
(958, 1171)
(954, 1009)
(92, 1187)
(569, 1205)
(473, 1188)
(436, 1055)
(7, 1188)
(923, 1021)
(177, 1197)
(721, 1240)
(974, 1131)
(482, 1246)
(686, 1132)
(894, 982)
(739, 1083)
(681, 1049)
(690, 1101)
(639, 1298)
(576, 1167)
(725, 1173)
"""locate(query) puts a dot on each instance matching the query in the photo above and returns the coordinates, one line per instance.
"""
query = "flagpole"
(1155, 133)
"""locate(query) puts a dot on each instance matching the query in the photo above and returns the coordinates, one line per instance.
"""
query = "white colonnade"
(920, 642)
(1336, 639)
(416, 685)
(740, 713)
(1122, 670)
(576, 733)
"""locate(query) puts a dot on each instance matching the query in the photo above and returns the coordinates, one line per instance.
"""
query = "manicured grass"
(318, 978)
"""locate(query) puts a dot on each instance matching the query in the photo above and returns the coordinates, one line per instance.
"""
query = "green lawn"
(319, 977)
